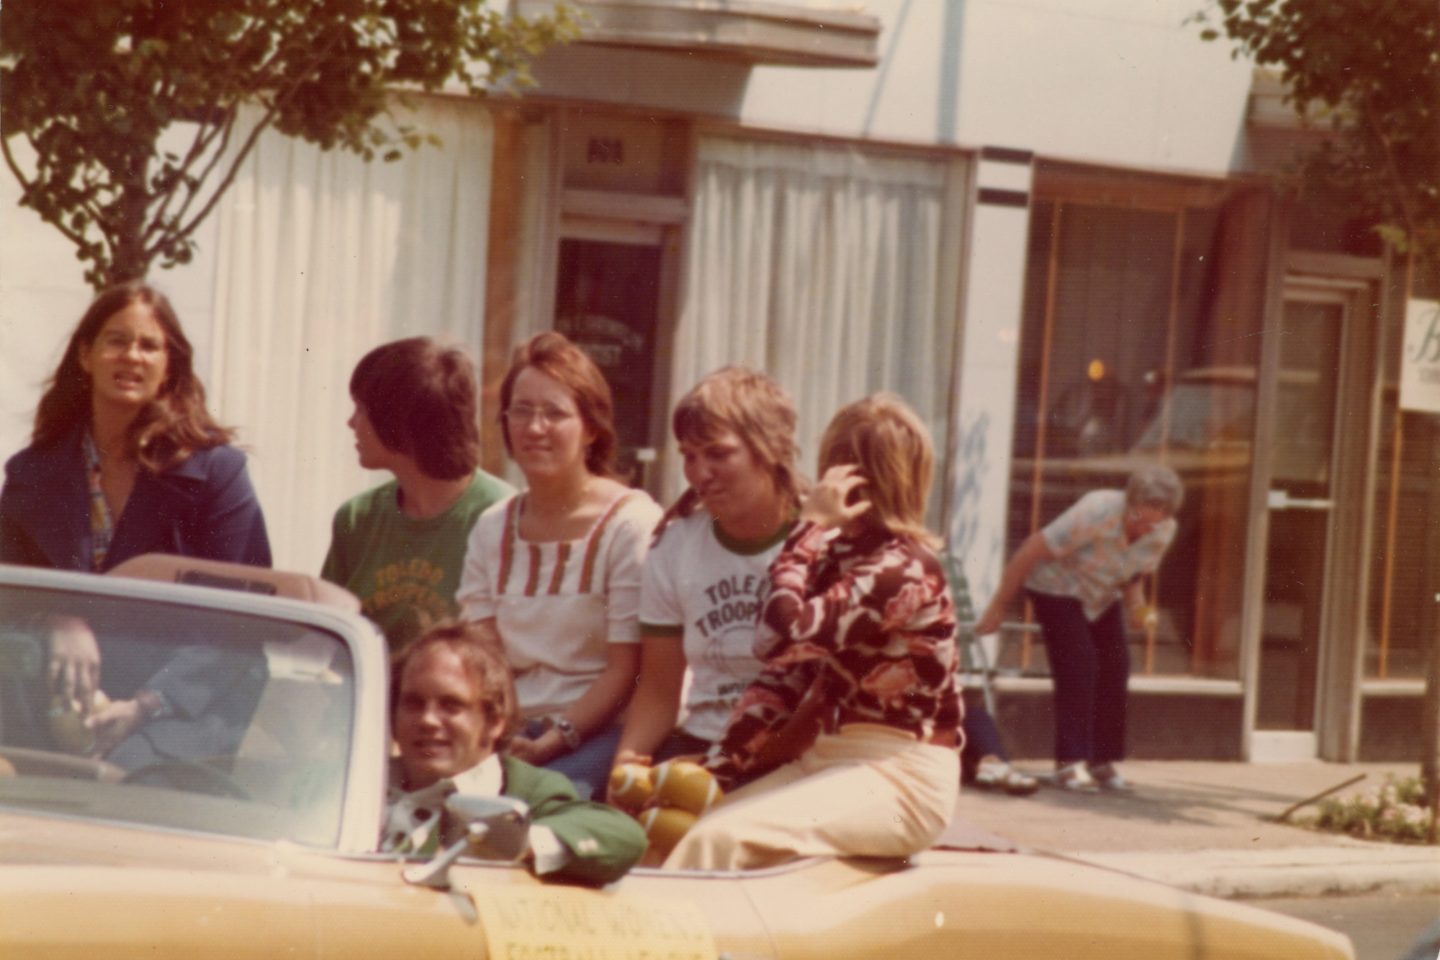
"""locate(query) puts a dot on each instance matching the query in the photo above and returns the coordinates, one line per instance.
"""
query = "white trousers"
(869, 790)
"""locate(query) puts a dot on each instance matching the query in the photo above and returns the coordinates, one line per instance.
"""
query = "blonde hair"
(482, 655)
(753, 407)
(892, 447)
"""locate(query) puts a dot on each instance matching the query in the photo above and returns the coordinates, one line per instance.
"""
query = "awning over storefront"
(757, 32)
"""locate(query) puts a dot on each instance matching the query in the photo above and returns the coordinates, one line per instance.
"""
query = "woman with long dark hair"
(126, 460)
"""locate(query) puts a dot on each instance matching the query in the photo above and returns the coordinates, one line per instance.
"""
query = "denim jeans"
(587, 767)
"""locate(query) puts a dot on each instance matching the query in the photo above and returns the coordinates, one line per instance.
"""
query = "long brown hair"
(169, 428)
(554, 355)
(893, 449)
(753, 407)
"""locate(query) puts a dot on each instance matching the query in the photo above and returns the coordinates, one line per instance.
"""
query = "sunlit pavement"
(1211, 828)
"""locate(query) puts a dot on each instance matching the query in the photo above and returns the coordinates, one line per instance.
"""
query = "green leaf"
(96, 86)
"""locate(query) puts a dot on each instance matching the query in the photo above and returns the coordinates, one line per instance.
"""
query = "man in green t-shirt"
(400, 547)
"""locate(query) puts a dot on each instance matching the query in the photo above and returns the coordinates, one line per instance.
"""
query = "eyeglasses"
(116, 342)
(523, 414)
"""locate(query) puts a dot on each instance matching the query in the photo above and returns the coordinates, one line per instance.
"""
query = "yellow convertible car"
(193, 767)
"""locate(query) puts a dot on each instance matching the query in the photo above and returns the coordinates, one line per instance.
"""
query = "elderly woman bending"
(1077, 571)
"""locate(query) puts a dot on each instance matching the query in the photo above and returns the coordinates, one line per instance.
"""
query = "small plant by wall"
(1393, 811)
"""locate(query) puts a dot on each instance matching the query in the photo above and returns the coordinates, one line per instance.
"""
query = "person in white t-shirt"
(707, 572)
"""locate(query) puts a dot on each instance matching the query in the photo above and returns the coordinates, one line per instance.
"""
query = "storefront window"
(1140, 345)
(1403, 613)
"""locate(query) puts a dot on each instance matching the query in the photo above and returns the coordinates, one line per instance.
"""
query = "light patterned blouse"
(1093, 560)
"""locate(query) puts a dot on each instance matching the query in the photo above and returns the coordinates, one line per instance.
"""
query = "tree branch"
(1392, 167)
(28, 184)
(281, 98)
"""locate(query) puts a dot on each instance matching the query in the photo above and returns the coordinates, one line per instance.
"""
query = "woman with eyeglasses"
(125, 460)
(555, 570)
(1077, 572)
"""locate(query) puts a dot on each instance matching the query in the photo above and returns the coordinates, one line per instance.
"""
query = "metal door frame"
(1341, 610)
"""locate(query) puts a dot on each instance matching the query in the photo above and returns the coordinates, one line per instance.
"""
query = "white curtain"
(321, 258)
(827, 267)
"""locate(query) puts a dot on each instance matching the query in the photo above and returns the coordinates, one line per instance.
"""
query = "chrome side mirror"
(495, 828)
(503, 826)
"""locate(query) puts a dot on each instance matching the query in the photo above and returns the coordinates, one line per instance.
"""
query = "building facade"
(1051, 226)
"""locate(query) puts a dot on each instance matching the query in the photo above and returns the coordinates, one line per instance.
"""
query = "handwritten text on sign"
(1420, 362)
(560, 923)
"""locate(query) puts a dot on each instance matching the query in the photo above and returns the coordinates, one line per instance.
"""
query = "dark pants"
(982, 739)
(1090, 669)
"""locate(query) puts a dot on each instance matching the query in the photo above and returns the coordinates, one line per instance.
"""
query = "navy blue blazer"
(202, 507)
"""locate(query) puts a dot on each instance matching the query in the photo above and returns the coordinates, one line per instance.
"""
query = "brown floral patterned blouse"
(869, 620)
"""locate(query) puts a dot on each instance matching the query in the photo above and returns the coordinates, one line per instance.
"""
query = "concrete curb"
(1293, 872)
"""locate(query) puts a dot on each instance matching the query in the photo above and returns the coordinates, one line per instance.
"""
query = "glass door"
(608, 299)
(1301, 506)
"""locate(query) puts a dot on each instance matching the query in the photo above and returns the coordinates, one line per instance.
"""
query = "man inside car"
(454, 706)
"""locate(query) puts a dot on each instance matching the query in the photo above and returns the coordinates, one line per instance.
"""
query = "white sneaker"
(999, 775)
(1075, 777)
(1106, 777)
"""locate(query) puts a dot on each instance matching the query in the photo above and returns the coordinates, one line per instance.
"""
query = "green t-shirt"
(405, 571)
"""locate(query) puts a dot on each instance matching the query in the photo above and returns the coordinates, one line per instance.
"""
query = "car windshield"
(201, 719)
(1202, 415)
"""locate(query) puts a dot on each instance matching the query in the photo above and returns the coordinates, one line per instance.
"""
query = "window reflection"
(1140, 345)
(229, 723)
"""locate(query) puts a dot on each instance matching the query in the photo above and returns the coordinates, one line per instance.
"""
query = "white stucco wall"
(42, 294)
(1123, 82)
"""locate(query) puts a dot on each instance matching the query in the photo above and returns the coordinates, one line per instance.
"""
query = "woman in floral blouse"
(859, 618)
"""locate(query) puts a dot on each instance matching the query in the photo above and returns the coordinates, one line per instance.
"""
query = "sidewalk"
(1206, 827)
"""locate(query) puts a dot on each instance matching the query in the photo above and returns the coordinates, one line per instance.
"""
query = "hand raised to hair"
(827, 503)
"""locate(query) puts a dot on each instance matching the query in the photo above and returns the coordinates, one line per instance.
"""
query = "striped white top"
(558, 603)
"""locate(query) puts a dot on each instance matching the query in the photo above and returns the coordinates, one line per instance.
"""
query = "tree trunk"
(127, 250)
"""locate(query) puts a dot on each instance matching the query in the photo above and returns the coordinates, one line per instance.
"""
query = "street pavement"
(1210, 828)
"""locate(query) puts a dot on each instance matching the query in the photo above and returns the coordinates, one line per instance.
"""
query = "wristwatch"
(568, 733)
